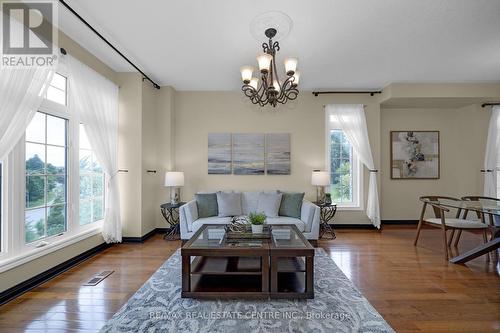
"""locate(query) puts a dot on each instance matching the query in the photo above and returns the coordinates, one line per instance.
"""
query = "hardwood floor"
(413, 288)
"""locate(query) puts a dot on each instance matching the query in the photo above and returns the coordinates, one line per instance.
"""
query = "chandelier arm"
(277, 79)
(288, 84)
(265, 87)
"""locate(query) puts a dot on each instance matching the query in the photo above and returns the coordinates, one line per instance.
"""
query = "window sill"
(349, 208)
(12, 262)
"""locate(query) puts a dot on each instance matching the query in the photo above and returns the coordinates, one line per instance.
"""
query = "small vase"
(257, 228)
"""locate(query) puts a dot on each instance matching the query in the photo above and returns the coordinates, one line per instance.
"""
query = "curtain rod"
(107, 42)
(317, 93)
(490, 104)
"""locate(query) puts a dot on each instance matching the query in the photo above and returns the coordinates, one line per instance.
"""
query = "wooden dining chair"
(446, 223)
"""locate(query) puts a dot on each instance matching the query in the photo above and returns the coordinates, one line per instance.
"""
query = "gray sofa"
(308, 223)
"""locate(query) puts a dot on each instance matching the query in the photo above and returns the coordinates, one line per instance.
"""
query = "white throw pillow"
(269, 204)
(229, 204)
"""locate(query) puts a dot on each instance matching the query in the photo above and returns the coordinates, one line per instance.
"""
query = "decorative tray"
(247, 234)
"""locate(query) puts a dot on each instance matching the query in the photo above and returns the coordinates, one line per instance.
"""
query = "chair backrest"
(436, 207)
(477, 198)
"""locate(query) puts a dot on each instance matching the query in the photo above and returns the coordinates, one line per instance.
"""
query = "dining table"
(486, 209)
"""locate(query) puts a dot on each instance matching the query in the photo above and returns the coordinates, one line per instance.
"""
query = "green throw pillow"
(291, 204)
(207, 204)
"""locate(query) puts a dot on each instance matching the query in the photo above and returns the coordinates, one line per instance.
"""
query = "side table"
(171, 214)
(327, 212)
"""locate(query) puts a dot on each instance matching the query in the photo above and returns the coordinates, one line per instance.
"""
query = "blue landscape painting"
(278, 153)
(248, 153)
(219, 153)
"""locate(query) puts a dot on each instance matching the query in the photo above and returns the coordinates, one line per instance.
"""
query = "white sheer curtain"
(95, 98)
(21, 93)
(492, 156)
(352, 121)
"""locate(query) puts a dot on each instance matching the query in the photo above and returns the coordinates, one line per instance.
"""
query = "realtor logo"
(29, 33)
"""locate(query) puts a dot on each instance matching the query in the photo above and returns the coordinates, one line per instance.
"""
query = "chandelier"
(270, 89)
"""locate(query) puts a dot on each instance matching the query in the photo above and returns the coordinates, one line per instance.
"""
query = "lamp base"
(175, 195)
(320, 194)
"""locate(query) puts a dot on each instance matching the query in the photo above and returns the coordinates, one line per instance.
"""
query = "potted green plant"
(257, 221)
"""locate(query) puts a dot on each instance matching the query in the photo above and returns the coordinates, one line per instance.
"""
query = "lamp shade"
(290, 65)
(296, 78)
(254, 83)
(246, 73)
(264, 61)
(320, 178)
(174, 179)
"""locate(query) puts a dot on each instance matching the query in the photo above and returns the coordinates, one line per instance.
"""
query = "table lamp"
(174, 180)
(320, 179)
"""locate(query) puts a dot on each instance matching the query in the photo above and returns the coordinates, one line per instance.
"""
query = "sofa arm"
(309, 214)
(188, 213)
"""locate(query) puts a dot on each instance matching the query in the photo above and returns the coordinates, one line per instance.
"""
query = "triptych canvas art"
(248, 153)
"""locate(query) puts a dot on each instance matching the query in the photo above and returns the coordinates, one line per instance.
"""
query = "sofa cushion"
(207, 204)
(269, 204)
(229, 204)
(249, 202)
(291, 203)
(286, 220)
(210, 220)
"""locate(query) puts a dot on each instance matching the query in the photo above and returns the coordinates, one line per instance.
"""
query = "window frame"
(357, 170)
(45, 206)
(14, 250)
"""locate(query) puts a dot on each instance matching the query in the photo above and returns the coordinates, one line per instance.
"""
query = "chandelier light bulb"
(254, 83)
(246, 74)
(290, 65)
(296, 77)
(264, 61)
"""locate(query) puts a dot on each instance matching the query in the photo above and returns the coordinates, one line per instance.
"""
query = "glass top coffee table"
(277, 264)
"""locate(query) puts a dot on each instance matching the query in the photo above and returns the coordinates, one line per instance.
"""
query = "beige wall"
(462, 142)
(130, 152)
(462, 130)
(165, 147)
(200, 113)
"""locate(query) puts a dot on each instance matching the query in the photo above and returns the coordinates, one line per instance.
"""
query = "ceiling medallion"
(270, 89)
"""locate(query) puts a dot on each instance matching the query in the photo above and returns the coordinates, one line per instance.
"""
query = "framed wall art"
(415, 155)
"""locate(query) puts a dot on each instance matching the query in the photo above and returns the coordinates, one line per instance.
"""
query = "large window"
(91, 183)
(46, 174)
(344, 169)
(53, 185)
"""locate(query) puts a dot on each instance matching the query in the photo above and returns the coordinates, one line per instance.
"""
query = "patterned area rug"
(337, 307)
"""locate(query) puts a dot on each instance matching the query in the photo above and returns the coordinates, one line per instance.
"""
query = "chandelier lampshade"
(264, 61)
(246, 73)
(296, 77)
(290, 65)
(268, 88)
(254, 83)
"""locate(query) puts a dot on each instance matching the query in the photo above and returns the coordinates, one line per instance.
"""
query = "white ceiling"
(341, 44)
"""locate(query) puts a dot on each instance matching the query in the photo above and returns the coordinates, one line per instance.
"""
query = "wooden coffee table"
(281, 266)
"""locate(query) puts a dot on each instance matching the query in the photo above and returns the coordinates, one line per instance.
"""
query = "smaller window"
(57, 89)
(344, 168)
(91, 183)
